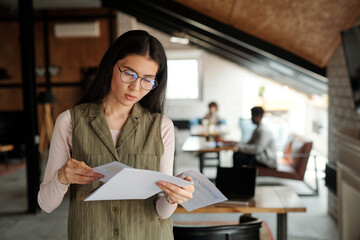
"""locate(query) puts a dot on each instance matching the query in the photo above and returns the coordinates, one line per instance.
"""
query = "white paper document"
(123, 182)
(205, 194)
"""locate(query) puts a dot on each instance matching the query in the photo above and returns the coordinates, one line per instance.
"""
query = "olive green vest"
(139, 146)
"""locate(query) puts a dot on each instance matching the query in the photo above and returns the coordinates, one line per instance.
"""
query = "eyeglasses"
(128, 76)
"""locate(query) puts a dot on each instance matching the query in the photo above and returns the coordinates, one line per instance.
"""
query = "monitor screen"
(236, 182)
(351, 45)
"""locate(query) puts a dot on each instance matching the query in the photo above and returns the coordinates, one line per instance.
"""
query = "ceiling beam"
(226, 41)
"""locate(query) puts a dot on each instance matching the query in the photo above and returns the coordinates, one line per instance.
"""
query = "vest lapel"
(131, 125)
(101, 128)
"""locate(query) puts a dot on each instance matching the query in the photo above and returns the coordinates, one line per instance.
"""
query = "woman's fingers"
(191, 187)
(80, 179)
(175, 193)
(188, 178)
(83, 169)
(77, 172)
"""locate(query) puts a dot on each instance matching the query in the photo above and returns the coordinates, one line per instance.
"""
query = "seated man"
(260, 150)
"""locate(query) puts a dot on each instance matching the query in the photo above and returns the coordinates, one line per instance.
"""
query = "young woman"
(119, 118)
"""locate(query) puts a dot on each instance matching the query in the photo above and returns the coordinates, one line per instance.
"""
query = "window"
(183, 75)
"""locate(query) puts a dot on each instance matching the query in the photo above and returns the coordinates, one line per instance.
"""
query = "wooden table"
(200, 130)
(200, 145)
(268, 199)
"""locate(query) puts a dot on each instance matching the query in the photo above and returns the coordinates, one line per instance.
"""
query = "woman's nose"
(136, 85)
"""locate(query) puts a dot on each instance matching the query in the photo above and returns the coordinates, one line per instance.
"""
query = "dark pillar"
(111, 27)
(30, 104)
(46, 50)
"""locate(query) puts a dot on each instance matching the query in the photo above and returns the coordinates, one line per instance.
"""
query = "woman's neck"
(115, 114)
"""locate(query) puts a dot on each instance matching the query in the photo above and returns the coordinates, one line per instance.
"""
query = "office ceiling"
(309, 29)
(290, 41)
(231, 43)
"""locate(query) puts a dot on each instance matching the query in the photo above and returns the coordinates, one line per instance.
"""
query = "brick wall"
(341, 109)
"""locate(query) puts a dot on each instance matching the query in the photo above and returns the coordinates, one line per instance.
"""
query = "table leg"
(201, 158)
(282, 226)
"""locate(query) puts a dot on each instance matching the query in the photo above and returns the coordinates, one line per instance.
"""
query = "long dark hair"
(136, 42)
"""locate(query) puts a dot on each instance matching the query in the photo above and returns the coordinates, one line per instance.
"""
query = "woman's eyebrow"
(131, 69)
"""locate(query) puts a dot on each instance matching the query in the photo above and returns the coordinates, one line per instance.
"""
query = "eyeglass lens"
(130, 76)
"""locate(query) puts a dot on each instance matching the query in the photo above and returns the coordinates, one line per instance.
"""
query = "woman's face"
(213, 109)
(128, 94)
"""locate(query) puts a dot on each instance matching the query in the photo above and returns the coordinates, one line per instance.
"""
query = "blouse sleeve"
(163, 208)
(52, 191)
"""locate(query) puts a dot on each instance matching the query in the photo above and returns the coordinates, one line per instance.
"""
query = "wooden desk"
(200, 130)
(217, 131)
(268, 199)
(198, 144)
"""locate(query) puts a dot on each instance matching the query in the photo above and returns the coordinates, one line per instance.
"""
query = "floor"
(315, 224)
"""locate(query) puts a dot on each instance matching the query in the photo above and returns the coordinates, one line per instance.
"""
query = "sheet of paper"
(109, 170)
(124, 182)
(205, 194)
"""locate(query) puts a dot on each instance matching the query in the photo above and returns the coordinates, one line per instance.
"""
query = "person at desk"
(260, 150)
(119, 118)
(213, 117)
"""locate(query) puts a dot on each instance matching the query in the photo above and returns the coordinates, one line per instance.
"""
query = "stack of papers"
(123, 182)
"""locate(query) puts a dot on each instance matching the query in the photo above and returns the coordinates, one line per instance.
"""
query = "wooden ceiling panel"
(309, 29)
(217, 9)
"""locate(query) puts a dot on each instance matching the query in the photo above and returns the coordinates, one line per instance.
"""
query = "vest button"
(115, 209)
(116, 231)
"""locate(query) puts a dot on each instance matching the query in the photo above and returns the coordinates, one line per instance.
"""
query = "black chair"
(247, 229)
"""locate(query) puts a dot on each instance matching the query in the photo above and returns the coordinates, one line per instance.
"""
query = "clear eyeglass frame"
(128, 76)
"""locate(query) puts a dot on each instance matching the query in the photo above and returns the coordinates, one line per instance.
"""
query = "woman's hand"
(177, 194)
(77, 172)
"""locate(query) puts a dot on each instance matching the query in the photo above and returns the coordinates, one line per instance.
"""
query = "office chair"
(247, 229)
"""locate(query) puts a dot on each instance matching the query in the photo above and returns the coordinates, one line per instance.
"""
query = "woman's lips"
(130, 97)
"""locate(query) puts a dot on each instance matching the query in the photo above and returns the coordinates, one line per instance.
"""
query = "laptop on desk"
(237, 184)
